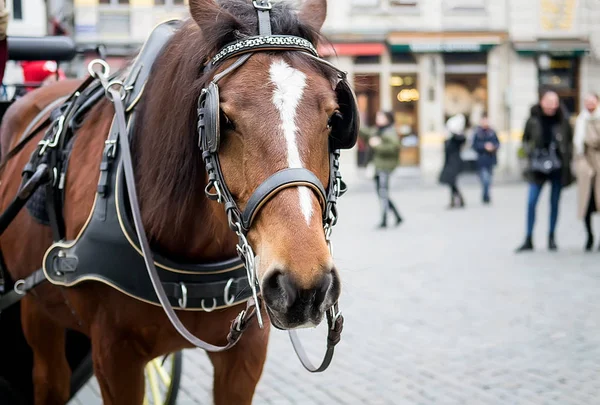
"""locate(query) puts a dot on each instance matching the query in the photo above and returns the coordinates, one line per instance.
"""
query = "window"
(385, 4)
(110, 22)
(113, 2)
(169, 2)
(408, 57)
(367, 60)
(403, 3)
(18, 9)
(465, 5)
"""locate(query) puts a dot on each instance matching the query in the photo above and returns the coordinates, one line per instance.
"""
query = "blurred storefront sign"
(440, 42)
(555, 47)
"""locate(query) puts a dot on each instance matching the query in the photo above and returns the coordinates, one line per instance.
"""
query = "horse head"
(279, 109)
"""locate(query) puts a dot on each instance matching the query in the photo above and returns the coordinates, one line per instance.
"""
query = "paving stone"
(441, 311)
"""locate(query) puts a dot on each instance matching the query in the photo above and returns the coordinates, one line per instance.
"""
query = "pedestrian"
(587, 164)
(455, 132)
(385, 146)
(486, 144)
(548, 143)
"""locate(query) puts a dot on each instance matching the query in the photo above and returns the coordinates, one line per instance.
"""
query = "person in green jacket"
(385, 144)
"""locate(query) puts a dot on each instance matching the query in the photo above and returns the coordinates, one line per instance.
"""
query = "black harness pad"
(36, 206)
(107, 248)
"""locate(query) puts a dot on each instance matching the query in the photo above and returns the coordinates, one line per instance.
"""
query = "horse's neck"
(179, 219)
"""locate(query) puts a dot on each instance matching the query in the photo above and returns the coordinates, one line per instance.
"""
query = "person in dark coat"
(453, 163)
(486, 144)
(548, 138)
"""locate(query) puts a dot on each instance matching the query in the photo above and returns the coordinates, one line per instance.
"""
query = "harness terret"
(112, 247)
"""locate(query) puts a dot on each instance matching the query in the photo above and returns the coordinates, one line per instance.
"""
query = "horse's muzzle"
(291, 307)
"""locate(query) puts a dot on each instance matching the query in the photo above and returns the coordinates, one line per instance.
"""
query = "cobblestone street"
(441, 311)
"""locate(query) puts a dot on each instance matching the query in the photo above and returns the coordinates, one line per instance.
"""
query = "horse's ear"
(313, 13)
(207, 14)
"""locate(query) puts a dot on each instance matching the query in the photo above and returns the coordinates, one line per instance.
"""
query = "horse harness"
(112, 247)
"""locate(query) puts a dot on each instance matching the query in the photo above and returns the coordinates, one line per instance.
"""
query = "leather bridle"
(240, 221)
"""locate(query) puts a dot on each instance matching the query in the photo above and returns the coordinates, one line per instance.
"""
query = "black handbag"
(545, 160)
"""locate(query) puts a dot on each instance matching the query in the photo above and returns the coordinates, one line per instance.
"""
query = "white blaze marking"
(289, 88)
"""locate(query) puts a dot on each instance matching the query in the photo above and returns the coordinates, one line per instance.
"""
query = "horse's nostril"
(321, 292)
(281, 287)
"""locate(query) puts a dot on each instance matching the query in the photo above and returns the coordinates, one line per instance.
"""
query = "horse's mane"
(169, 168)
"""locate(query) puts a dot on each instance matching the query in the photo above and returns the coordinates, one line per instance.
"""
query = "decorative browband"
(257, 43)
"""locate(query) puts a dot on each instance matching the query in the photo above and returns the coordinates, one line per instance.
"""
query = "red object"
(39, 70)
(352, 49)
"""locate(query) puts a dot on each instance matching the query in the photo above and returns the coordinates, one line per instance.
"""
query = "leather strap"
(40, 177)
(239, 62)
(49, 108)
(240, 323)
(24, 141)
(279, 181)
(335, 323)
(263, 8)
(207, 290)
(21, 288)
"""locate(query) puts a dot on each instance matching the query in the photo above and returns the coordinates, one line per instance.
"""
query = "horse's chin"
(283, 324)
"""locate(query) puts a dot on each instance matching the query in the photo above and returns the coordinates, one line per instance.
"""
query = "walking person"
(587, 164)
(548, 143)
(486, 144)
(385, 146)
(455, 127)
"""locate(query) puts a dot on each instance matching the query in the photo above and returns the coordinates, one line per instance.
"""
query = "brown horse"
(275, 110)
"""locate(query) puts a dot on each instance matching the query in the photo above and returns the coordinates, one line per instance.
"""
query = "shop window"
(466, 94)
(405, 93)
(400, 58)
(467, 58)
(367, 60)
(366, 88)
(561, 75)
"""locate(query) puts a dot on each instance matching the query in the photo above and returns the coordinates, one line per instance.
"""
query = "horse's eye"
(336, 118)
(226, 122)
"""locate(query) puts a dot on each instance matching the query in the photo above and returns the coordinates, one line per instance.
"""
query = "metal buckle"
(52, 143)
(94, 73)
(334, 316)
(205, 309)
(264, 5)
(121, 88)
(247, 254)
(183, 300)
(237, 323)
(229, 300)
(20, 287)
(111, 147)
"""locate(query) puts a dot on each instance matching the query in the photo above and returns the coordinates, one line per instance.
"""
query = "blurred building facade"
(423, 59)
(429, 59)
